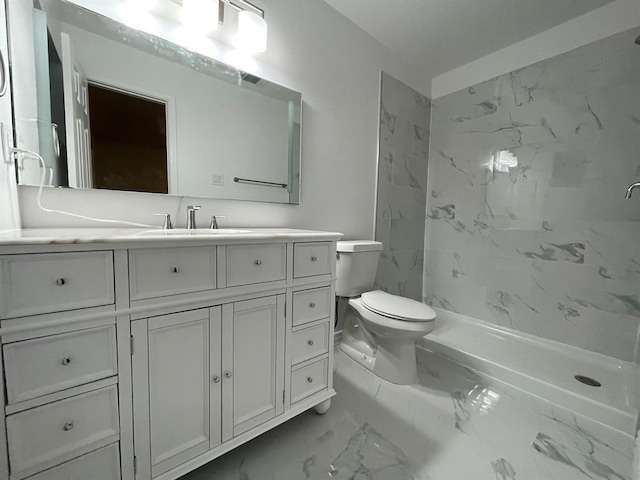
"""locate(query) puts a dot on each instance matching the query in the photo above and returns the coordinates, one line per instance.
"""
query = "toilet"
(380, 329)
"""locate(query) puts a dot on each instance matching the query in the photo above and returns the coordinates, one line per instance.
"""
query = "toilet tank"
(356, 266)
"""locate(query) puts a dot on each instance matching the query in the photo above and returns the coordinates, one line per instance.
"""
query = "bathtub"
(541, 367)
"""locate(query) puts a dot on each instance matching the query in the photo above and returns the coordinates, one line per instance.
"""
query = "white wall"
(603, 22)
(336, 66)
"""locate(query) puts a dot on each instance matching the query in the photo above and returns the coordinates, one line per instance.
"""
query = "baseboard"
(337, 338)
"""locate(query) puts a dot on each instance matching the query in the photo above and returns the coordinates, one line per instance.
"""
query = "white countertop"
(44, 236)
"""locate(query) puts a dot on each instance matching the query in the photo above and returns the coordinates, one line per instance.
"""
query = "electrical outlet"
(217, 179)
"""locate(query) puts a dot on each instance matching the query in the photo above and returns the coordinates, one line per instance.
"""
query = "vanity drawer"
(309, 380)
(255, 264)
(309, 343)
(46, 436)
(44, 365)
(103, 464)
(311, 259)
(310, 305)
(54, 282)
(157, 272)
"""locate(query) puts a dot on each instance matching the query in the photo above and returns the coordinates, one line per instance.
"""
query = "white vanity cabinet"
(147, 359)
(202, 377)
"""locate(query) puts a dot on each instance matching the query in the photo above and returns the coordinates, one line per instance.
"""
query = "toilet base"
(384, 345)
(394, 362)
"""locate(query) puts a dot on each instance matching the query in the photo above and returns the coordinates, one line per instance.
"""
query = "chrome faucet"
(630, 190)
(166, 225)
(191, 216)
(214, 221)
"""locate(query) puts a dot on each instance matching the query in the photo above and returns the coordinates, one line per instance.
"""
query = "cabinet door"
(175, 400)
(252, 363)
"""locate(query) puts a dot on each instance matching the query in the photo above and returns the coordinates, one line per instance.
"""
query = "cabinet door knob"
(312, 305)
(313, 259)
(216, 379)
(176, 270)
(227, 374)
(68, 426)
(60, 282)
(66, 361)
(310, 379)
(258, 262)
(310, 342)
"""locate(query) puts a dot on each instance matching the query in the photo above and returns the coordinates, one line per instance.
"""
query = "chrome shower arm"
(630, 190)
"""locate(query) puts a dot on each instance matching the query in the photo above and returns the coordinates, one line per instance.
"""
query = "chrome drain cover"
(588, 381)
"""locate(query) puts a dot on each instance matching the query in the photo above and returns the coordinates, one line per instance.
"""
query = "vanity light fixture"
(136, 13)
(200, 15)
(142, 5)
(205, 15)
(252, 27)
(252, 32)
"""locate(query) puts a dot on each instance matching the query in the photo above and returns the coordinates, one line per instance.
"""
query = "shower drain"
(588, 381)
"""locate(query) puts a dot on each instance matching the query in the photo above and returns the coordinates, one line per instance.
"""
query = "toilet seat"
(385, 326)
(396, 307)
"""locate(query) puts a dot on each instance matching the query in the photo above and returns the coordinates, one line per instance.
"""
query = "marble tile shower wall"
(402, 187)
(547, 245)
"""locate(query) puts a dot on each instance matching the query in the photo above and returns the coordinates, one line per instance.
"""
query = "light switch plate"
(217, 179)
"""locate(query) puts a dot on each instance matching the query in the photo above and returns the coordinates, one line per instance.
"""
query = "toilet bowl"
(380, 331)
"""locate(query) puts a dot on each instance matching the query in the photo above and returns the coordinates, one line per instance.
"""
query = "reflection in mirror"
(139, 133)
(111, 107)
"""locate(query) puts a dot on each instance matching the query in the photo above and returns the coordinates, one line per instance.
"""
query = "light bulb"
(200, 15)
(252, 32)
(148, 4)
(136, 14)
(142, 5)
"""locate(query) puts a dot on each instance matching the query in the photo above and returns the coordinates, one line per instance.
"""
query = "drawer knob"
(258, 262)
(312, 305)
(60, 282)
(310, 379)
(313, 259)
(176, 270)
(216, 379)
(310, 342)
(68, 426)
(227, 374)
(66, 361)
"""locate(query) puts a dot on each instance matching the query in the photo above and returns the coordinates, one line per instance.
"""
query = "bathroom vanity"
(143, 354)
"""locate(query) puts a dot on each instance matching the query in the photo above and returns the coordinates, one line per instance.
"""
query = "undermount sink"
(196, 231)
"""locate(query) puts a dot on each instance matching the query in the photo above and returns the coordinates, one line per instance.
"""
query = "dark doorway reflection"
(128, 141)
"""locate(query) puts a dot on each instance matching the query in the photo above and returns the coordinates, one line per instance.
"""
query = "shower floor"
(455, 424)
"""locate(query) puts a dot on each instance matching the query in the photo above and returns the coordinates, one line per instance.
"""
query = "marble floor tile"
(455, 424)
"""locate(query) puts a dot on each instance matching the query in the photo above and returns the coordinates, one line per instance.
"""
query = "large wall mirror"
(111, 107)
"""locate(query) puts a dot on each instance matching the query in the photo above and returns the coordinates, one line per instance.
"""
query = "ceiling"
(436, 36)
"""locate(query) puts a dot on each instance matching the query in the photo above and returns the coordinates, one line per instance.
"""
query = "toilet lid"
(400, 308)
